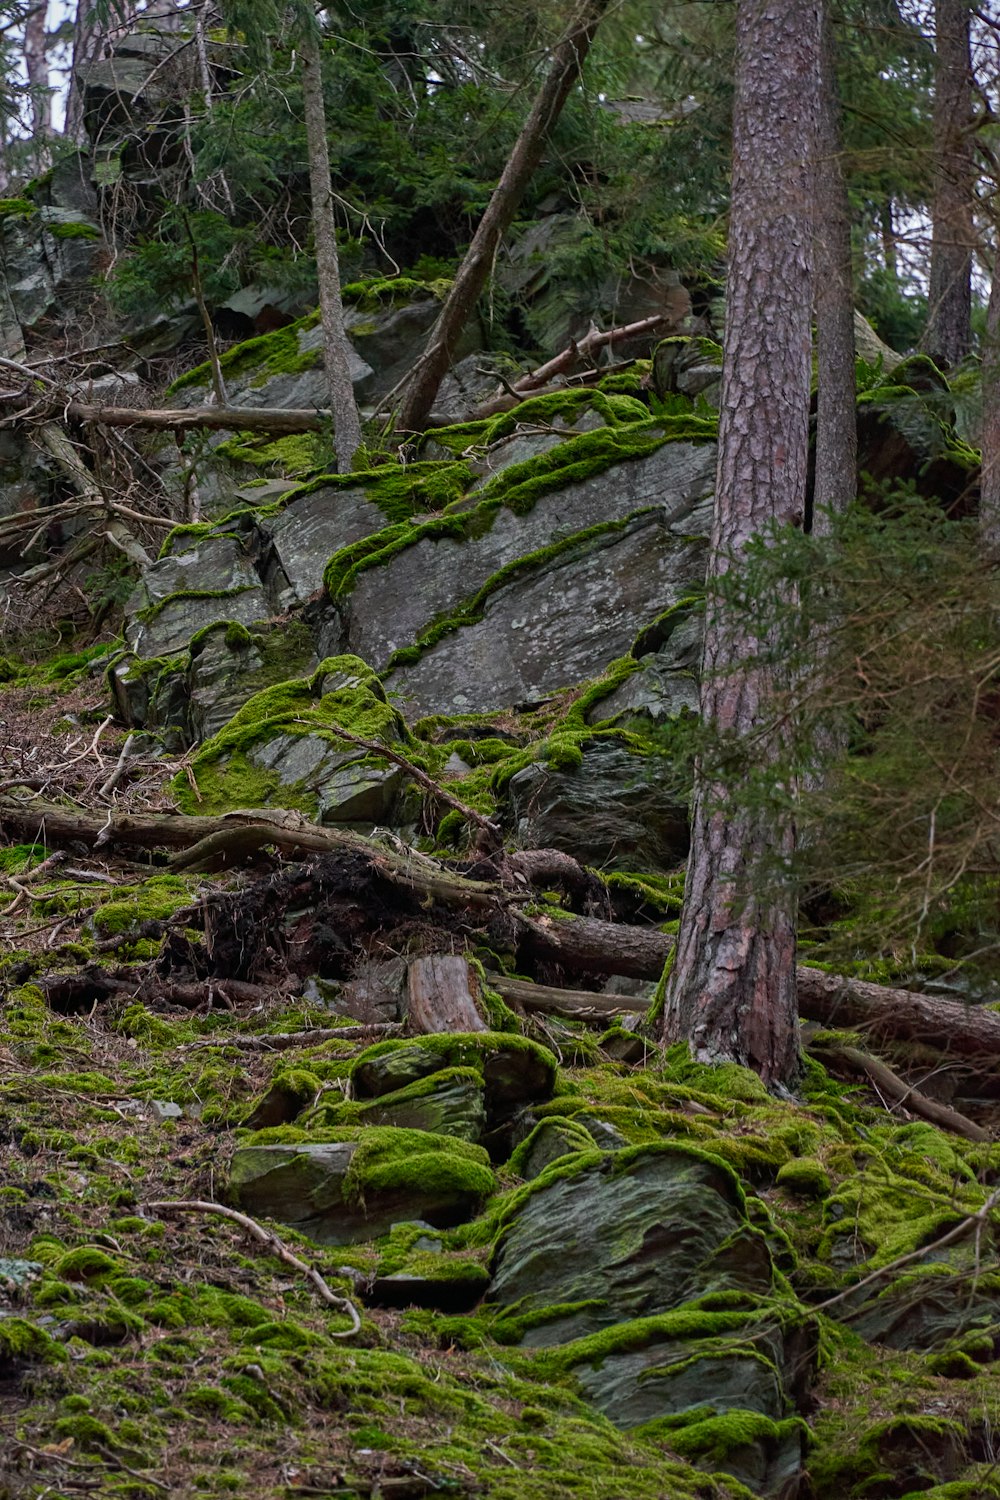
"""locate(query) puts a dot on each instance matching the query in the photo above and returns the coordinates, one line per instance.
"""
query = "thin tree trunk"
(989, 499)
(36, 65)
(346, 421)
(88, 45)
(887, 229)
(473, 274)
(836, 418)
(732, 991)
(948, 335)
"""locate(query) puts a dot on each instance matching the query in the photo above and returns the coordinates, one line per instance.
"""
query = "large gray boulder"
(612, 1257)
(435, 575)
(617, 808)
(550, 627)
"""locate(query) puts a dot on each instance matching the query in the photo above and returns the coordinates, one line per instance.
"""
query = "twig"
(119, 770)
(280, 1041)
(278, 1247)
(956, 1232)
(477, 819)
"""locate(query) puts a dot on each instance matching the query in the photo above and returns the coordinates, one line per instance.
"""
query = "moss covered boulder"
(194, 587)
(615, 808)
(450, 1102)
(515, 1072)
(643, 1275)
(283, 748)
(355, 1186)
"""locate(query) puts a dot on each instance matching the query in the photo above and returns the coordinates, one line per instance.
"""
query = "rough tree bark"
(989, 494)
(567, 61)
(948, 335)
(836, 418)
(346, 421)
(732, 991)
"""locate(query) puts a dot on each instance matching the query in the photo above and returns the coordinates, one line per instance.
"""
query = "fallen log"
(274, 420)
(580, 945)
(883, 1013)
(572, 1005)
(214, 843)
(853, 1060)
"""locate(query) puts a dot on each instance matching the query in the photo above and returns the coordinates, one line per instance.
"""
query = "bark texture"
(346, 421)
(948, 335)
(732, 990)
(567, 61)
(36, 65)
(836, 417)
(989, 496)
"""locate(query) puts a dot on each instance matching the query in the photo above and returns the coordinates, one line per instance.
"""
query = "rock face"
(550, 628)
(434, 577)
(325, 1191)
(615, 807)
(653, 1234)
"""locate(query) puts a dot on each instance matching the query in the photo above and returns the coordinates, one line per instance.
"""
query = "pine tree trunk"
(346, 421)
(473, 274)
(989, 498)
(836, 417)
(948, 335)
(732, 991)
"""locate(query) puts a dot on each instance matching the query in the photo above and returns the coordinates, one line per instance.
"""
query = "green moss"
(471, 610)
(223, 769)
(805, 1176)
(154, 900)
(301, 453)
(517, 488)
(86, 1432)
(147, 615)
(15, 208)
(711, 1439)
(269, 354)
(17, 858)
(390, 291)
(397, 1104)
(421, 1056)
(87, 1263)
(391, 1160)
(77, 230)
(24, 1341)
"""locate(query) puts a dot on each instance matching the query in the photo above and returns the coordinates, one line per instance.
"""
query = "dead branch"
(853, 1060)
(281, 1041)
(957, 1232)
(284, 421)
(584, 348)
(277, 1246)
(485, 825)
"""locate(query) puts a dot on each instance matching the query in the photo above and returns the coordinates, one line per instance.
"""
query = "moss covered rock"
(514, 1071)
(352, 1188)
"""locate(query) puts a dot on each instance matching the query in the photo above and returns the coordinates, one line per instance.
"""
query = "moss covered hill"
(342, 830)
(338, 1159)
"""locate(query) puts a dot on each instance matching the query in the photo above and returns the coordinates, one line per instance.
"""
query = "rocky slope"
(431, 718)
